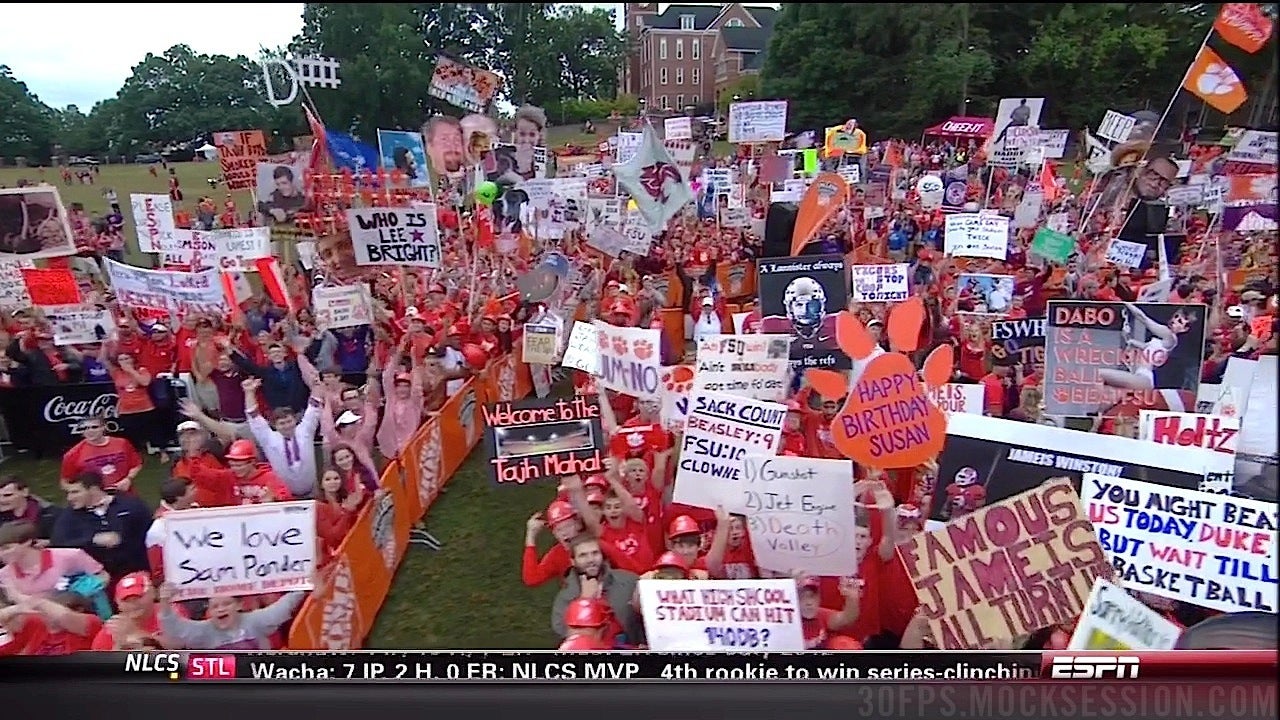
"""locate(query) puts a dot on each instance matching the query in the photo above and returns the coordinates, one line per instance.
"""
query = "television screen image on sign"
(800, 297)
(987, 459)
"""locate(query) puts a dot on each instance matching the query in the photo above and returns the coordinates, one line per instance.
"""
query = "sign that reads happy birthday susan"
(539, 439)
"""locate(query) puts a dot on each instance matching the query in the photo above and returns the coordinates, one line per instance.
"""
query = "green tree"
(28, 127)
(745, 87)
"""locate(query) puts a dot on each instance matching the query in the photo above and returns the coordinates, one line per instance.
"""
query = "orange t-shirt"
(133, 398)
(112, 460)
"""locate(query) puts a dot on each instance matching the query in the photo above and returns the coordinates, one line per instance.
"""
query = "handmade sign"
(958, 398)
(1022, 340)
(13, 291)
(800, 514)
(339, 306)
(543, 438)
(1006, 570)
(1211, 432)
(1098, 354)
(229, 249)
(583, 351)
(630, 359)
(719, 431)
(758, 122)
(754, 366)
(239, 152)
(178, 292)
(1115, 620)
(541, 344)
(240, 550)
(152, 220)
(1210, 550)
(721, 615)
(879, 283)
(83, 325)
(395, 236)
(977, 235)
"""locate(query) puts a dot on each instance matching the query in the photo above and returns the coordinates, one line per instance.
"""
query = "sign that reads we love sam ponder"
(241, 550)
(1210, 550)
(395, 236)
(1008, 569)
(539, 439)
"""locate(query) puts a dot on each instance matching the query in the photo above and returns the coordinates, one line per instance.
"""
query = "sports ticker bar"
(448, 667)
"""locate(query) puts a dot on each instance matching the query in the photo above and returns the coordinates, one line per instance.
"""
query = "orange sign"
(340, 614)
(825, 196)
(887, 420)
(1214, 81)
(239, 152)
(51, 286)
(1243, 25)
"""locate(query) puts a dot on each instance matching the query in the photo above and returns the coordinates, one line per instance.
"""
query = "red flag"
(273, 282)
(1244, 25)
(229, 292)
(1048, 183)
(319, 145)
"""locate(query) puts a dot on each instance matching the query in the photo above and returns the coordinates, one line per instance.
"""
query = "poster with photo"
(1013, 113)
(1098, 354)
(542, 439)
(980, 294)
(280, 193)
(988, 459)
(464, 86)
(446, 149)
(801, 297)
(34, 224)
(404, 150)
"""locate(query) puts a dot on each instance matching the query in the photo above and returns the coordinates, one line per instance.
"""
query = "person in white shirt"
(708, 322)
(288, 442)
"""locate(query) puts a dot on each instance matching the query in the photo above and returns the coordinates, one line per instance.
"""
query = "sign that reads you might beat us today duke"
(240, 550)
(540, 439)
(1011, 568)
(395, 236)
(1210, 550)
(719, 431)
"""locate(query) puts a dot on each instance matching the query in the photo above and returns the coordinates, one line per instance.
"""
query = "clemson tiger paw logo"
(1217, 80)
(887, 420)
(643, 349)
(619, 346)
(678, 380)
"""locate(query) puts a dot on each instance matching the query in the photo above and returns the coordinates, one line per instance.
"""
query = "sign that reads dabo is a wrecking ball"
(240, 550)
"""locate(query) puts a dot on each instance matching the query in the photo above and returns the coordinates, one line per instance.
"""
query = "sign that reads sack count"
(395, 236)
(241, 550)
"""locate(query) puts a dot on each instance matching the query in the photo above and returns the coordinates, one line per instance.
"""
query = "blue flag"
(348, 152)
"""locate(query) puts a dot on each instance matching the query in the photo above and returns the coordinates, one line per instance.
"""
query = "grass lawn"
(467, 595)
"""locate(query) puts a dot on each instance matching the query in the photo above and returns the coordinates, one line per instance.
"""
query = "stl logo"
(887, 420)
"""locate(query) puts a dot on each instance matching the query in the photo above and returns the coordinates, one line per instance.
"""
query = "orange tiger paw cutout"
(887, 420)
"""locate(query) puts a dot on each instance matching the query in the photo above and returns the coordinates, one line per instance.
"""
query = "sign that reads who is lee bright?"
(395, 236)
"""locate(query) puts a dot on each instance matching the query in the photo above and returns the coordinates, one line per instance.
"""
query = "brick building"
(689, 54)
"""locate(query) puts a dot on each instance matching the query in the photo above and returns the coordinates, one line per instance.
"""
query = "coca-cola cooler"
(45, 420)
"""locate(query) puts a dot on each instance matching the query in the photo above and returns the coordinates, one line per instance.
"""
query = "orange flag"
(1214, 81)
(1243, 25)
(828, 193)
(1048, 183)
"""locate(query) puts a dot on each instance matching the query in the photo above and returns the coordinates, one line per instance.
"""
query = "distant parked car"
(147, 158)
(87, 160)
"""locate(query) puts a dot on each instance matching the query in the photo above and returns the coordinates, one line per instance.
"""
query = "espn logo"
(1092, 667)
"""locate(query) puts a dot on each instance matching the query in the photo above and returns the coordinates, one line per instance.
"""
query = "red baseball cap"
(133, 585)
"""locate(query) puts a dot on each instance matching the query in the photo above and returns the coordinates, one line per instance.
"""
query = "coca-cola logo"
(62, 410)
(962, 128)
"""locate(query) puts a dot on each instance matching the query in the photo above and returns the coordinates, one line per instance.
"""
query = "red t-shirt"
(815, 628)
(37, 638)
(973, 361)
(992, 395)
(113, 460)
(740, 563)
(631, 540)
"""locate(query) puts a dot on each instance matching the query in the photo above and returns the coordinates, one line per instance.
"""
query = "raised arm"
(221, 430)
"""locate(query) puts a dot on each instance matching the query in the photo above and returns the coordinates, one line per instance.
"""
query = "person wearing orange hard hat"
(588, 621)
(252, 482)
(611, 514)
(565, 524)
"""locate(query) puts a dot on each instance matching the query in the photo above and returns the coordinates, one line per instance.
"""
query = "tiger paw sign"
(887, 420)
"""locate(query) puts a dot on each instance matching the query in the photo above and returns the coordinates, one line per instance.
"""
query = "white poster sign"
(1210, 550)
(1116, 126)
(677, 128)
(339, 306)
(628, 146)
(1126, 253)
(583, 351)
(721, 615)
(152, 220)
(800, 514)
(754, 366)
(958, 398)
(977, 235)
(1211, 432)
(178, 292)
(630, 359)
(758, 122)
(1115, 620)
(719, 430)
(240, 550)
(231, 250)
(395, 236)
(83, 325)
(13, 290)
(1255, 146)
(879, 283)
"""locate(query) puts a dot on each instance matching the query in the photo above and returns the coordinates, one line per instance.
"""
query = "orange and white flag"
(1214, 81)
(1244, 25)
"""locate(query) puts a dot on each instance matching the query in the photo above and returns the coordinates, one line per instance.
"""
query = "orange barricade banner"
(738, 279)
(340, 616)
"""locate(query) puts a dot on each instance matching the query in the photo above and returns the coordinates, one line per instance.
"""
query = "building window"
(680, 102)
(662, 49)
(686, 22)
(639, 23)
(679, 48)
(695, 79)
(679, 76)
(733, 22)
(662, 76)
(694, 101)
(662, 102)
(697, 49)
